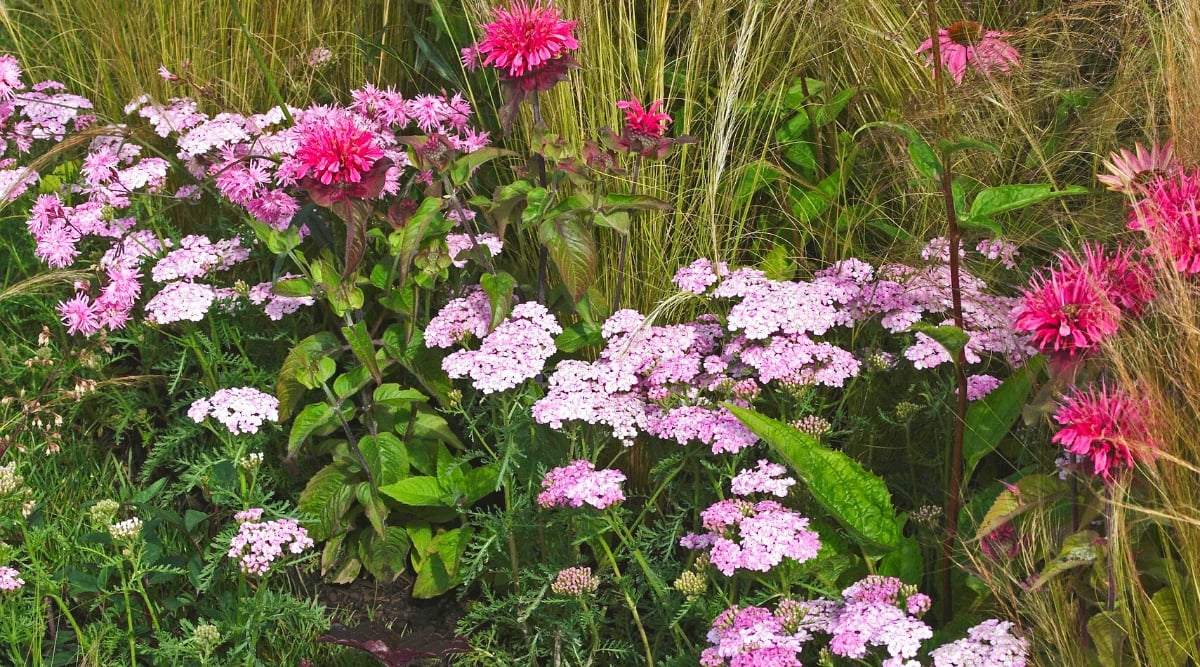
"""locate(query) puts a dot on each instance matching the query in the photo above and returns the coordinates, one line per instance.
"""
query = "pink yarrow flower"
(1106, 426)
(239, 409)
(10, 579)
(259, 544)
(967, 44)
(579, 482)
(525, 37)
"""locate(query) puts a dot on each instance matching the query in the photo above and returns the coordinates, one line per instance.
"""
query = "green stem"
(624, 252)
(129, 617)
(262, 63)
(637, 618)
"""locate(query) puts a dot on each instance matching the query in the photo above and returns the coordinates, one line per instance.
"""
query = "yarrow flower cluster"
(989, 644)
(258, 544)
(877, 612)
(578, 483)
(967, 44)
(515, 351)
(575, 582)
(1107, 427)
(766, 478)
(239, 409)
(753, 536)
(669, 381)
(127, 530)
(10, 580)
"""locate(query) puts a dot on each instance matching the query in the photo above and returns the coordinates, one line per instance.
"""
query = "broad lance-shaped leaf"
(923, 157)
(573, 251)
(360, 343)
(1004, 198)
(990, 418)
(858, 499)
(499, 288)
(301, 370)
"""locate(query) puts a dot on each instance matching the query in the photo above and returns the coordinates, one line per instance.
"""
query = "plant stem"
(624, 254)
(637, 618)
(954, 485)
(539, 162)
(262, 64)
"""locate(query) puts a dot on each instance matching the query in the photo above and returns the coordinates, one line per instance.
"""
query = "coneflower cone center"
(966, 33)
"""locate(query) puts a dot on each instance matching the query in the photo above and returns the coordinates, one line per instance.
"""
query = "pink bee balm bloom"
(1170, 215)
(1065, 315)
(652, 121)
(525, 37)
(336, 150)
(966, 43)
(1106, 426)
(1130, 172)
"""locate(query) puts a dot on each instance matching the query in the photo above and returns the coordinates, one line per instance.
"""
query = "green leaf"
(537, 204)
(794, 129)
(463, 167)
(439, 571)
(904, 563)
(1078, 550)
(809, 205)
(1005, 198)
(386, 557)
(293, 287)
(990, 418)
(923, 158)
(573, 251)
(386, 456)
(499, 288)
(948, 147)
(859, 500)
(624, 202)
(1164, 621)
(332, 552)
(300, 370)
(429, 425)
(423, 363)
(1108, 637)
(755, 176)
(312, 418)
(193, 518)
(393, 395)
(476, 484)
(1030, 491)
(417, 491)
(829, 111)
(349, 383)
(324, 499)
(950, 337)
(617, 221)
(577, 336)
(360, 343)
(408, 241)
(778, 263)
(373, 506)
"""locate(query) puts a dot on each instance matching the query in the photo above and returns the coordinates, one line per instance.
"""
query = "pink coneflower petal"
(1131, 172)
(966, 44)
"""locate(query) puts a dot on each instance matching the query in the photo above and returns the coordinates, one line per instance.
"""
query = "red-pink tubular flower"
(1066, 314)
(1107, 427)
(336, 150)
(1170, 216)
(651, 121)
(525, 37)
(966, 44)
(1125, 280)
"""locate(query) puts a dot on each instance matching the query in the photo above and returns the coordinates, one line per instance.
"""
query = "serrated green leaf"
(325, 501)
(625, 202)
(499, 289)
(572, 249)
(990, 418)
(829, 111)
(778, 264)
(394, 395)
(904, 563)
(439, 571)
(423, 363)
(859, 500)
(347, 572)
(809, 205)
(578, 335)
(1165, 623)
(1030, 491)
(313, 417)
(462, 168)
(407, 242)
(1005, 198)
(386, 557)
(386, 456)
(348, 384)
(1108, 637)
(477, 483)
(293, 287)
(754, 177)
(618, 221)
(417, 491)
(300, 370)
(360, 343)
(332, 552)
(538, 203)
